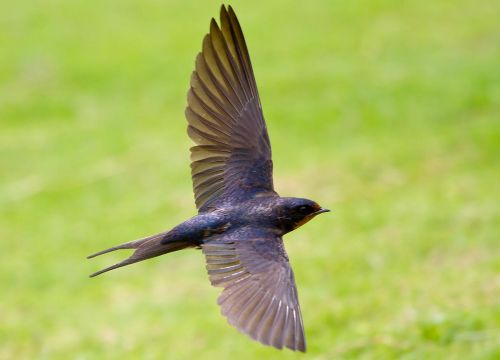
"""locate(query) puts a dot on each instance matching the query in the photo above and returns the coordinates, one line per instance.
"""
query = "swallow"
(241, 219)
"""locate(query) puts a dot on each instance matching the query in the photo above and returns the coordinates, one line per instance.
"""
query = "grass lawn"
(387, 112)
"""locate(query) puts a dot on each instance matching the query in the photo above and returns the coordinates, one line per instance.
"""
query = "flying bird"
(241, 219)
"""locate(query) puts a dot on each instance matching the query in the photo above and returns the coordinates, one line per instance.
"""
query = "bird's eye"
(304, 209)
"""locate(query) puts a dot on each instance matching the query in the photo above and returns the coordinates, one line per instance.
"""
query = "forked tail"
(146, 248)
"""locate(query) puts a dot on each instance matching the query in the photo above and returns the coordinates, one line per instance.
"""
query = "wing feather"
(259, 297)
(225, 121)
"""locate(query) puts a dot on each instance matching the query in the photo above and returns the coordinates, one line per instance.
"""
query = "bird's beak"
(320, 211)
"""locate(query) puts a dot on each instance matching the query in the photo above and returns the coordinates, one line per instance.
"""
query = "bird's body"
(241, 219)
(269, 212)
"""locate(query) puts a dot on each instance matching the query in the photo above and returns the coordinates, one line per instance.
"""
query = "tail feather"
(145, 248)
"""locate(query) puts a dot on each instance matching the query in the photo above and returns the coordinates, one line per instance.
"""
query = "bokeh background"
(387, 112)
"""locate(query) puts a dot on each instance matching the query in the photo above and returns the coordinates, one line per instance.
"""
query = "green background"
(387, 112)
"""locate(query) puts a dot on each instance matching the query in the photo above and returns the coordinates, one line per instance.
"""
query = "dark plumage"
(241, 219)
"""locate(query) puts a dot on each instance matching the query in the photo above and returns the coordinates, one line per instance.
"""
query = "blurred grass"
(388, 112)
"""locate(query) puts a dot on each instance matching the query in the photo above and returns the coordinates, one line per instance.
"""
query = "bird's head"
(295, 212)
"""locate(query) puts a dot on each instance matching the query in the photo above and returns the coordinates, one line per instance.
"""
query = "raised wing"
(232, 159)
(259, 296)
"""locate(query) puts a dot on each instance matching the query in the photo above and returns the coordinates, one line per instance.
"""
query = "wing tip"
(223, 8)
(213, 25)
